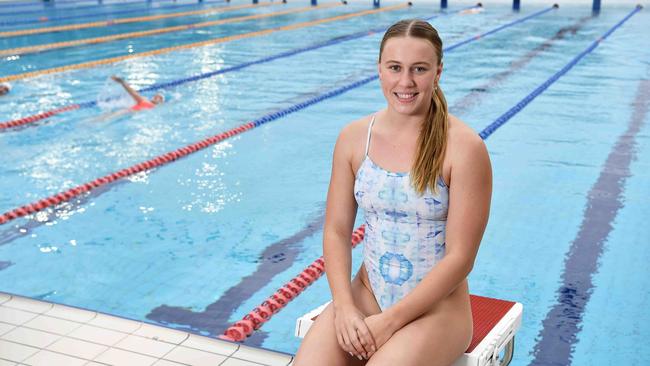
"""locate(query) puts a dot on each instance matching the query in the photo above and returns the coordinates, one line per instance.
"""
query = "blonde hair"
(432, 141)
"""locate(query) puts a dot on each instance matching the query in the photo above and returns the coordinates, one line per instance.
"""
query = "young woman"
(424, 181)
(141, 103)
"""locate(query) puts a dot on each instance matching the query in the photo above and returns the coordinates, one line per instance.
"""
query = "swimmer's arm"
(134, 94)
(469, 206)
(340, 213)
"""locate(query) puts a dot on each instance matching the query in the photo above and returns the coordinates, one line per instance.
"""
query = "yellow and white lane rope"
(115, 37)
(104, 23)
(160, 51)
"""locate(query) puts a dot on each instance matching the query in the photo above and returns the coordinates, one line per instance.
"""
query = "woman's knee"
(320, 346)
(436, 340)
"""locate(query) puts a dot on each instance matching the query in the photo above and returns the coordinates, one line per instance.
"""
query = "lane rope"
(254, 320)
(9, 4)
(157, 31)
(46, 19)
(110, 22)
(507, 25)
(44, 7)
(43, 115)
(487, 131)
(177, 154)
(160, 51)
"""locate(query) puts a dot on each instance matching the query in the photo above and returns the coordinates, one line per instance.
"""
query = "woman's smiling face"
(409, 69)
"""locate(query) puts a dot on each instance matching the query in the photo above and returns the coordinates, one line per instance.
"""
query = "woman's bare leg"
(437, 338)
(320, 346)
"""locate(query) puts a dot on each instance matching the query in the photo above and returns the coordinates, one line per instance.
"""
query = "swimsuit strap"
(372, 121)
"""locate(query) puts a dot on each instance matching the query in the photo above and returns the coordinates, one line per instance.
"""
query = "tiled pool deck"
(41, 333)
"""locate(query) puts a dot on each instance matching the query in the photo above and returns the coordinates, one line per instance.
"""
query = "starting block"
(495, 324)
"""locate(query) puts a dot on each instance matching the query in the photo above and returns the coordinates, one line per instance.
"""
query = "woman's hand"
(352, 333)
(380, 328)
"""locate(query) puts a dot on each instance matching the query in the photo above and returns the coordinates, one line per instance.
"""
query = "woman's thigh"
(436, 338)
(320, 346)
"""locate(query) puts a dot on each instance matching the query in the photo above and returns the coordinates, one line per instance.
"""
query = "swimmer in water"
(475, 10)
(141, 102)
(4, 88)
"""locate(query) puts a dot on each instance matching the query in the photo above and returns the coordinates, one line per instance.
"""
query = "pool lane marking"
(156, 31)
(488, 130)
(43, 115)
(160, 51)
(44, 19)
(274, 260)
(562, 324)
(189, 149)
(473, 98)
(560, 328)
(105, 23)
(5, 264)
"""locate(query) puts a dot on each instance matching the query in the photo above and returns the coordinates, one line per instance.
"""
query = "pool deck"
(34, 332)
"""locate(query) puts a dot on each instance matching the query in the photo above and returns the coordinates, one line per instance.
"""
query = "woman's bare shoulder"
(351, 142)
(354, 133)
(462, 137)
(355, 129)
(465, 148)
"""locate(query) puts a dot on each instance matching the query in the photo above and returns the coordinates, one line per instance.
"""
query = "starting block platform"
(495, 324)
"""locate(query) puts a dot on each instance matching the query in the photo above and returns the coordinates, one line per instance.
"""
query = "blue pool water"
(227, 226)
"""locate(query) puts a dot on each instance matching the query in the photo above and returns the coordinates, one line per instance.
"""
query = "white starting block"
(493, 342)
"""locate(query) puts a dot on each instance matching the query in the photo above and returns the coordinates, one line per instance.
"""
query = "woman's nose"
(406, 78)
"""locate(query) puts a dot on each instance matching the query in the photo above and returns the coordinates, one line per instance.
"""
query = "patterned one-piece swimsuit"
(405, 231)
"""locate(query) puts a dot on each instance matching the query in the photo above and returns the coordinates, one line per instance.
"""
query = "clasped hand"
(359, 335)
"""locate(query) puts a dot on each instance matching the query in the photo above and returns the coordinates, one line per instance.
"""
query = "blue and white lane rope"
(356, 84)
(487, 131)
(88, 104)
(174, 155)
(293, 52)
(521, 20)
(43, 115)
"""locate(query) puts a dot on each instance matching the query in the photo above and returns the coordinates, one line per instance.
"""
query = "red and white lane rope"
(110, 178)
(37, 117)
(263, 313)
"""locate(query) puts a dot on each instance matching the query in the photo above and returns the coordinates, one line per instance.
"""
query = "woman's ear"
(438, 74)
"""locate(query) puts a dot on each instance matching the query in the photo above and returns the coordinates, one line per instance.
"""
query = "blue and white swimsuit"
(405, 231)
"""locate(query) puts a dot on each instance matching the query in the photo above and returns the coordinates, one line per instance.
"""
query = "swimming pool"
(200, 242)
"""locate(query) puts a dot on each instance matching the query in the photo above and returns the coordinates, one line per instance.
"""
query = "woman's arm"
(352, 333)
(134, 94)
(340, 214)
(469, 206)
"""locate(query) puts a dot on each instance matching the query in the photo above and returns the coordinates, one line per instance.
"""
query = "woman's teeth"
(405, 95)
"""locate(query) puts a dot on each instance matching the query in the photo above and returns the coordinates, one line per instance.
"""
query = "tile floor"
(39, 333)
